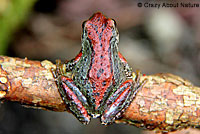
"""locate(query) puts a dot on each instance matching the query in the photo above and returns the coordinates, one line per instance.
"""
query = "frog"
(98, 82)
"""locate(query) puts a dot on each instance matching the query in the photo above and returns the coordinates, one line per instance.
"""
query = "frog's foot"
(122, 97)
(74, 99)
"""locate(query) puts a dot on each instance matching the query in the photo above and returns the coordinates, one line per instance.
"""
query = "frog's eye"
(83, 24)
(114, 22)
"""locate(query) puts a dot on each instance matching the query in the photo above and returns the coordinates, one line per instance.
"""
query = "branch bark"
(165, 103)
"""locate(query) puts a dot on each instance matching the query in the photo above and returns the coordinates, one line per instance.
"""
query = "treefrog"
(98, 82)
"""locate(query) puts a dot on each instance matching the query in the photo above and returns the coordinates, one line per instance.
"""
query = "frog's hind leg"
(73, 97)
(120, 100)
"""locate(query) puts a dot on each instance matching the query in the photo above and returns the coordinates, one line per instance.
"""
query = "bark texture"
(30, 83)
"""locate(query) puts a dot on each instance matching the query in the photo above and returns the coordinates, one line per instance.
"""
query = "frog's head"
(100, 31)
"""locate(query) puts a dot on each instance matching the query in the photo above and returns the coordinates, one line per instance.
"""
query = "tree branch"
(165, 103)
(29, 82)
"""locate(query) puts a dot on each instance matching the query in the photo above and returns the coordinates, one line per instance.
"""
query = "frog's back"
(100, 64)
(100, 74)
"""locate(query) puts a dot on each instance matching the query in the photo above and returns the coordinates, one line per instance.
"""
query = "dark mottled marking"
(99, 73)
(104, 83)
(101, 34)
(101, 70)
(97, 94)
(96, 28)
(106, 24)
(93, 85)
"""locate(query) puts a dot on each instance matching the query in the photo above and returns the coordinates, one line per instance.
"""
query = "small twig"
(165, 103)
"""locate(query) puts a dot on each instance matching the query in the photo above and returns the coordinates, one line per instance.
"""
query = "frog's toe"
(106, 121)
(84, 120)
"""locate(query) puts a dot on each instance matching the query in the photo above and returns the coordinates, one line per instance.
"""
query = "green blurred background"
(12, 14)
(152, 40)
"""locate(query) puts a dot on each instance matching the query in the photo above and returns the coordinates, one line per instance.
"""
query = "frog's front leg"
(120, 100)
(127, 69)
(70, 64)
(74, 99)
